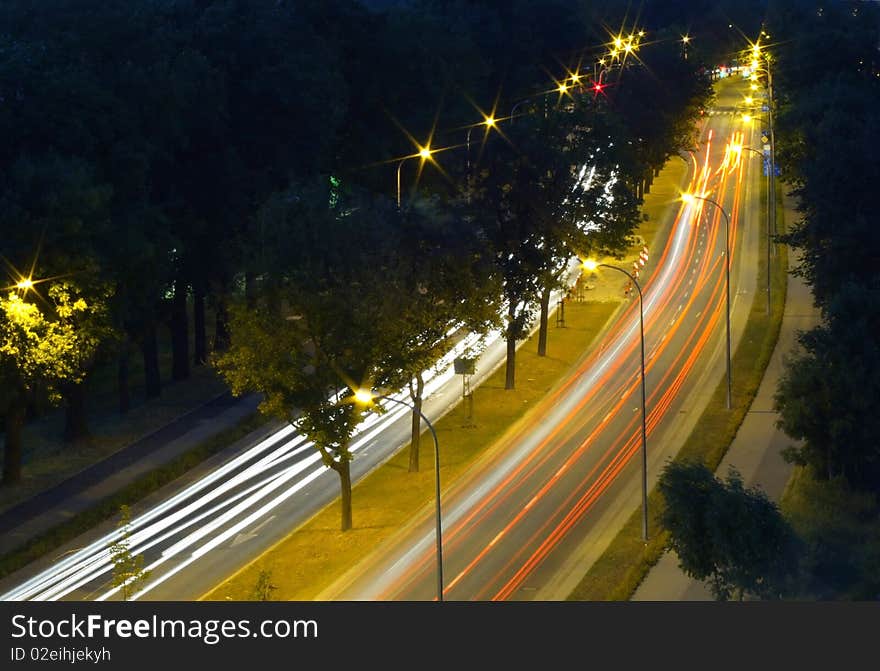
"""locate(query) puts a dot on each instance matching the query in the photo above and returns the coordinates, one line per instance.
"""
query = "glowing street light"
(689, 198)
(590, 265)
(747, 117)
(24, 284)
(366, 397)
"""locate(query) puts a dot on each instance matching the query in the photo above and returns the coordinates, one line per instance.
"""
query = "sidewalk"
(40, 513)
(756, 450)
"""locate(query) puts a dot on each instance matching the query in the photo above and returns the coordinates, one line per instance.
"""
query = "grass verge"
(314, 555)
(130, 494)
(616, 575)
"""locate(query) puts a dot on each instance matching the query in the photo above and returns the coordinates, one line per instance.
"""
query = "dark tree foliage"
(828, 394)
(734, 538)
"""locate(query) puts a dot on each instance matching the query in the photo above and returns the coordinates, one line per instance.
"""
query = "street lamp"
(761, 154)
(591, 265)
(24, 284)
(489, 122)
(424, 154)
(689, 198)
(367, 397)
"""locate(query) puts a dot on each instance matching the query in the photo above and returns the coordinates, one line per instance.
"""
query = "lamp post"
(424, 154)
(761, 154)
(489, 122)
(771, 173)
(688, 198)
(592, 265)
(366, 397)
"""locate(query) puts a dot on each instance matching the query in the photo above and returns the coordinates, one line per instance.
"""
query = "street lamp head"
(749, 100)
(686, 39)
(747, 117)
(754, 87)
(24, 284)
(425, 153)
(687, 198)
(489, 122)
(364, 396)
(590, 265)
(562, 88)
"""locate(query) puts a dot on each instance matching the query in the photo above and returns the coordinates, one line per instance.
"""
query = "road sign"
(464, 366)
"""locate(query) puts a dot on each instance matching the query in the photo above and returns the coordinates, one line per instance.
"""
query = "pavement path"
(756, 450)
(40, 513)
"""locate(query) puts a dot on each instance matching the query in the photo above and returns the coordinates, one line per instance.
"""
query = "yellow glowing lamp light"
(590, 265)
(364, 396)
(618, 42)
(575, 78)
(747, 117)
(489, 121)
(754, 87)
(686, 39)
(754, 77)
(563, 87)
(687, 198)
(25, 284)
(749, 100)
(425, 153)
(754, 64)
(627, 47)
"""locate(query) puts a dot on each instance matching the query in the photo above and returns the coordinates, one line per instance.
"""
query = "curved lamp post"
(688, 198)
(367, 397)
(424, 154)
(488, 122)
(591, 266)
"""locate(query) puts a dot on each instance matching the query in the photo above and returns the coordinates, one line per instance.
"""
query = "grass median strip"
(616, 575)
(313, 556)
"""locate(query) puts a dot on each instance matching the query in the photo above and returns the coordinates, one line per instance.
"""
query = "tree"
(309, 338)
(129, 574)
(735, 538)
(42, 348)
(827, 394)
(437, 287)
(547, 192)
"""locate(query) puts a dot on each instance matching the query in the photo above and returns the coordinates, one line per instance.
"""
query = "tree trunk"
(416, 438)
(150, 350)
(14, 421)
(122, 376)
(200, 344)
(545, 313)
(179, 332)
(221, 322)
(343, 468)
(510, 368)
(75, 421)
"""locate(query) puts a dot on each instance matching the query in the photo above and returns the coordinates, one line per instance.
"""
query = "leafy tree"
(827, 393)
(731, 536)
(129, 574)
(437, 285)
(43, 346)
(310, 339)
